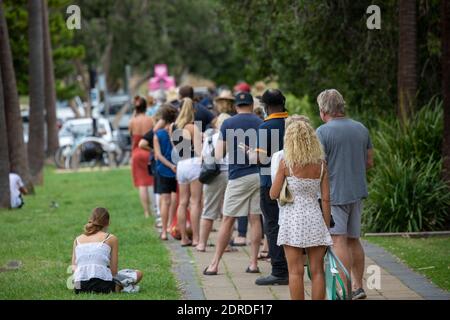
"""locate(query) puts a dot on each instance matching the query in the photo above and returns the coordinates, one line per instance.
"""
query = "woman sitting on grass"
(95, 257)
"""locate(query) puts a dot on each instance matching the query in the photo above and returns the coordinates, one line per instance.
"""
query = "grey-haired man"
(349, 154)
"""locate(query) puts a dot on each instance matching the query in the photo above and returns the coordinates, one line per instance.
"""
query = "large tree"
(36, 141)
(4, 155)
(50, 92)
(446, 86)
(17, 151)
(407, 58)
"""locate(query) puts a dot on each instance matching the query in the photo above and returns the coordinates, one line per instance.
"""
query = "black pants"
(270, 211)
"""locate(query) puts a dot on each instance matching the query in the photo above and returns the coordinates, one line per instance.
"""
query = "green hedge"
(406, 192)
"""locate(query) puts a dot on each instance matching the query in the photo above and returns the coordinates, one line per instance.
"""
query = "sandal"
(209, 273)
(187, 244)
(252, 271)
(163, 239)
(263, 255)
(231, 249)
(234, 244)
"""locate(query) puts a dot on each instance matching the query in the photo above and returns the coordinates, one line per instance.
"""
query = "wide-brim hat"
(225, 95)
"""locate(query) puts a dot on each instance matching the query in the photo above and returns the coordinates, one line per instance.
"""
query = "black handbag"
(209, 171)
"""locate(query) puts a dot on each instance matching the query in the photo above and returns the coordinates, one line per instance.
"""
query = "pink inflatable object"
(161, 80)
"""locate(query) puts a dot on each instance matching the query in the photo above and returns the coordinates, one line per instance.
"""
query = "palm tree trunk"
(407, 58)
(50, 92)
(36, 141)
(446, 86)
(18, 158)
(5, 201)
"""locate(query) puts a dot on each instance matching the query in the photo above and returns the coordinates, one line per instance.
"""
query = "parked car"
(85, 140)
(111, 109)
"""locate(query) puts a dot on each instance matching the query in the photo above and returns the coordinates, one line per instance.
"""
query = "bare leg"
(341, 249)
(182, 212)
(255, 238)
(226, 228)
(165, 205)
(294, 257)
(205, 230)
(143, 195)
(140, 275)
(315, 256)
(357, 254)
(196, 209)
(152, 200)
(172, 209)
(157, 204)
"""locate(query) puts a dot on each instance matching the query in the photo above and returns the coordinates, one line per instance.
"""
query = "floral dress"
(301, 222)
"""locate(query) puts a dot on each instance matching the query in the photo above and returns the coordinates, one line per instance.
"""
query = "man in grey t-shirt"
(349, 154)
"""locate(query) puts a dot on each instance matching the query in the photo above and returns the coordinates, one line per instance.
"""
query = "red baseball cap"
(242, 87)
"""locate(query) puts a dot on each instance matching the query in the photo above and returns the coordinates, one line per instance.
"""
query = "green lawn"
(428, 256)
(42, 237)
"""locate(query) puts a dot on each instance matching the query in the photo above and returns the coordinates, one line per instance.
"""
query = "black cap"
(243, 98)
(273, 97)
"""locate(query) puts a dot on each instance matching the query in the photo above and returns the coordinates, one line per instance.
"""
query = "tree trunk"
(50, 91)
(407, 58)
(446, 86)
(36, 141)
(18, 158)
(5, 201)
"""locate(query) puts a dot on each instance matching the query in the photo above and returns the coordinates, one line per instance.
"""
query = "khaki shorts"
(214, 193)
(242, 196)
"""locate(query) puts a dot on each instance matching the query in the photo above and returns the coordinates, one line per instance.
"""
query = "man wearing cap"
(242, 193)
(270, 140)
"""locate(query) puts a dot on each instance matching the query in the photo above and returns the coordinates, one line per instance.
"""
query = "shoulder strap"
(76, 240)
(107, 237)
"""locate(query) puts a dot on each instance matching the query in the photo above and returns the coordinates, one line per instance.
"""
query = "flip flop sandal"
(252, 271)
(187, 244)
(234, 244)
(231, 249)
(163, 239)
(209, 273)
(263, 255)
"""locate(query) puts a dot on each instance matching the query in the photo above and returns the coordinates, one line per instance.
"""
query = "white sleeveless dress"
(301, 222)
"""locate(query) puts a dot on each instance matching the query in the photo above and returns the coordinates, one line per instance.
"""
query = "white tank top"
(92, 261)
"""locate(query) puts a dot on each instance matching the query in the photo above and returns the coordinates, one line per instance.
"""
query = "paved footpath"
(232, 283)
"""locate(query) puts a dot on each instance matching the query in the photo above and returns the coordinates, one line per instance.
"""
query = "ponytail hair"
(99, 219)
(187, 113)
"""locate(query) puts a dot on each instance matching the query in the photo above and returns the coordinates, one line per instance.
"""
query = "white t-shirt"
(15, 183)
(275, 163)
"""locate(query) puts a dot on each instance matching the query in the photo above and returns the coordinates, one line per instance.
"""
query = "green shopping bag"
(334, 285)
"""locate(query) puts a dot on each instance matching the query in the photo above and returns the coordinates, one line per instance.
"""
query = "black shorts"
(96, 285)
(166, 185)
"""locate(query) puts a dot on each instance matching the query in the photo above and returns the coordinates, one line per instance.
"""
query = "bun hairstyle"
(140, 104)
(98, 220)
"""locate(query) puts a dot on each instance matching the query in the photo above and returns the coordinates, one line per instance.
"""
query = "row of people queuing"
(327, 165)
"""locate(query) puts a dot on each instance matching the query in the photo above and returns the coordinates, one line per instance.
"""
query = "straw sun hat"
(225, 95)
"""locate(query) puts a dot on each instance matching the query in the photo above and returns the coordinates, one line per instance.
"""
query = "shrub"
(304, 107)
(406, 191)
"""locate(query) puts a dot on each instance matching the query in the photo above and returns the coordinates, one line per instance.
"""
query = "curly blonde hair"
(301, 145)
